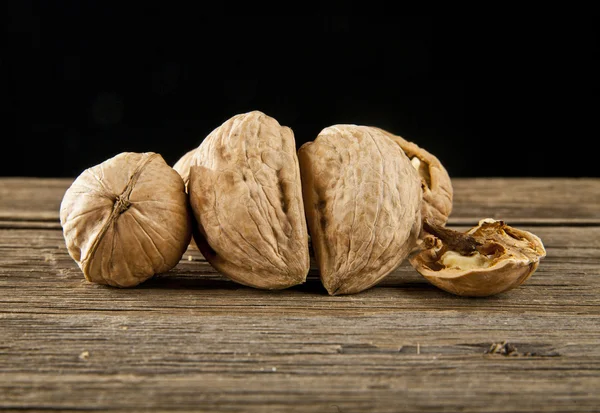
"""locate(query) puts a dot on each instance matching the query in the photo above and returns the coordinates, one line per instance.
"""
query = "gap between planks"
(51, 224)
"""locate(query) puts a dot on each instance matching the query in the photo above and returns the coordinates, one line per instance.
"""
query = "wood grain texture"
(32, 199)
(527, 200)
(190, 340)
(520, 200)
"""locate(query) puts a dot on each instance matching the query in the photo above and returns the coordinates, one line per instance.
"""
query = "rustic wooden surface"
(190, 340)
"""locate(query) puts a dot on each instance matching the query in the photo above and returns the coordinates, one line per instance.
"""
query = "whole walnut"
(435, 181)
(246, 197)
(362, 198)
(126, 219)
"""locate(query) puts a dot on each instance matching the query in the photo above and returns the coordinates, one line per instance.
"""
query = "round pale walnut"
(246, 197)
(435, 181)
(362, 199)
(489, 259)
(126, 219)
(182, 166)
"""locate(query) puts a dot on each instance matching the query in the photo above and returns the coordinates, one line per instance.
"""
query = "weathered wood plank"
(527, 200)
(31, 199)
(190, 340)
(533, 200)
(419, 386)
(37, 261)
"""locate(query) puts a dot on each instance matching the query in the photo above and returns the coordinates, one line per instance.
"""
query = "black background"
(490, 96)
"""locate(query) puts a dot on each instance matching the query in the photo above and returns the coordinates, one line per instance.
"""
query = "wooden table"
(190, 340)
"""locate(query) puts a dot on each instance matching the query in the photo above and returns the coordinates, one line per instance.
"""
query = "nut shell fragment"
(501, 259)
(362, 199)
(126, 219)
(435, 180)
(246, 197)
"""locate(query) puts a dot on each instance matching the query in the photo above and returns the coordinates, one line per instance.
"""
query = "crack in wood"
(497, 348)
(506, 349)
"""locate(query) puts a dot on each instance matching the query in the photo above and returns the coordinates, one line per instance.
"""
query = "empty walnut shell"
(435, 181)
(246, 196)
(126, 219)
(490, 258)
(362, 200)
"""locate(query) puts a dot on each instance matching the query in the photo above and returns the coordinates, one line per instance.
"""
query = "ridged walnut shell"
(362, 199)
(182, 166)
(246, 197)
(126, 219)
(501, 259)
(435, 180)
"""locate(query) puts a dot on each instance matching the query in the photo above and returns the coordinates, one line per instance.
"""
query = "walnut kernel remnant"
(489, 259)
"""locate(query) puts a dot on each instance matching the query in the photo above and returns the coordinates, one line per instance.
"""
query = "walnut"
(362, 198)
(490, 258)
(435, 181)
(182, 166)
(246, 197)
(126, 219)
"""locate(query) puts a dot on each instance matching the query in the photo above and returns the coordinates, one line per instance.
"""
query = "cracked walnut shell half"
(362, 199)
(489, 259)
(246, 198)
(435, 180)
